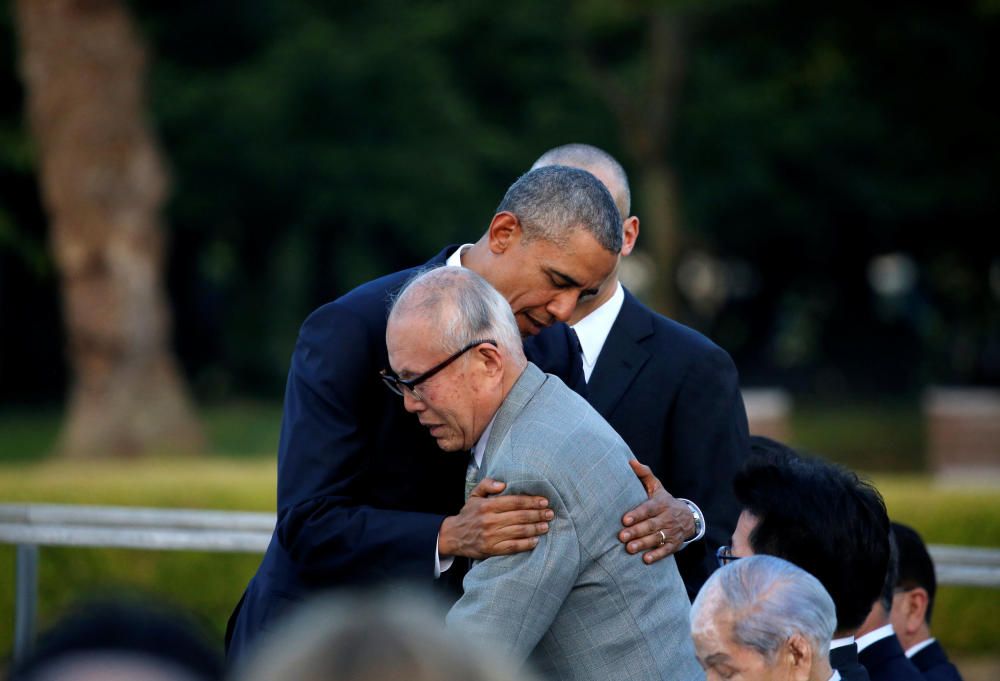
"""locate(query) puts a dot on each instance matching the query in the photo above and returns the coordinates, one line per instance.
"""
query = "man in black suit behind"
(364, 494)
(670, 392)
(913, 605)
(879, 649)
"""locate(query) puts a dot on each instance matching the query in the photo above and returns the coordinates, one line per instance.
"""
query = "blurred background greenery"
(832, 172)
(836, 172)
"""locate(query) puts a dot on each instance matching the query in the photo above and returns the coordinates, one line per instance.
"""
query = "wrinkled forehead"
(411, 330)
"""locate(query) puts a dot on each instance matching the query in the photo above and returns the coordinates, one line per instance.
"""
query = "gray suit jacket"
(578, 604)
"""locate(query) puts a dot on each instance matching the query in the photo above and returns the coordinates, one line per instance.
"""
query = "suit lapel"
(524, 389)
(621, 357)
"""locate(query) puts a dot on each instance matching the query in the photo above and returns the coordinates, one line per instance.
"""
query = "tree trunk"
(103, 184)
(645, 112)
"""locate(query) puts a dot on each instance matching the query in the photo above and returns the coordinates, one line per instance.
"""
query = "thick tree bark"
(103, 184)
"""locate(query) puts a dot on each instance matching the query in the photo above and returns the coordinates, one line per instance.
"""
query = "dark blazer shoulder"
(373, 298)
(638, 321)
(885, 661)
(845, 660)
(934, 664)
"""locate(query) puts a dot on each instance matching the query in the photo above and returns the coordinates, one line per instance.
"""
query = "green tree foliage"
(315, 145)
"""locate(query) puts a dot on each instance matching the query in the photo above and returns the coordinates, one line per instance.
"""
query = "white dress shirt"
(835, 676)
(841, 642)
(455, 259)
(593, 329)
(875, 636)
(916, 648)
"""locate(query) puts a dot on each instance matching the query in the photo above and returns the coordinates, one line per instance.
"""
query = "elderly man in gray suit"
(578, 604)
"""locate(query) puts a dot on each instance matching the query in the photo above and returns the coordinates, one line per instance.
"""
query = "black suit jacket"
(845, 660)
(674, 397)
(934, 664)
(886, 661)
(362, 487)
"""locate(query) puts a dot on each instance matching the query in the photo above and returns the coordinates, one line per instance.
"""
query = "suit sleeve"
(324, 457)
(710, 442)
(511, 601)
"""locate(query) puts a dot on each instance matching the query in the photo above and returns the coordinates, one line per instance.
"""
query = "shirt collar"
(455, 259)
(593, 329)
(873, 636)
(479, 448)
(841, 642)
(914, 649)
(835, 676)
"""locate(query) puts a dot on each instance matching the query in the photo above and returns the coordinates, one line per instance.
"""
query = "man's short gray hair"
(553, 202)
(770, 599)
(464, 307)
(587, 157)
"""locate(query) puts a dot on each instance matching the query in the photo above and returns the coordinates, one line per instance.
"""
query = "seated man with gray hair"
(578, 604)
(763, 618)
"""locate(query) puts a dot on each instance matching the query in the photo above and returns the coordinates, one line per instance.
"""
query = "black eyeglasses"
(725, 555)
(398, 385)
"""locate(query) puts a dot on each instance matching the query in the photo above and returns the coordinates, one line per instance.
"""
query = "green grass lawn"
(240, 475)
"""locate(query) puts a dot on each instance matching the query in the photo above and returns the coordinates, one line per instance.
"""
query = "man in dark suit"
(824, 519)
(364, 495)
(913, 604)
(879, 649)
(670, 392)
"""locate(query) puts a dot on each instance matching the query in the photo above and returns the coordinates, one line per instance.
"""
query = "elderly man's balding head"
(455, 352)
(763, 616)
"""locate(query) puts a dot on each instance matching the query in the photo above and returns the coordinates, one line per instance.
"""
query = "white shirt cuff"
(441, 564)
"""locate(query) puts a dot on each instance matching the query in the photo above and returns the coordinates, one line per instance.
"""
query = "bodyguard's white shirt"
(875, 636)
(593, 329)
(841, 642)
(914, 649)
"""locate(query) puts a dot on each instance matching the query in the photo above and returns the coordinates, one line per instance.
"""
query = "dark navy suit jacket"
(674, 397)
(845, 660)
(886, 661)
(934, 664)
(362, 487)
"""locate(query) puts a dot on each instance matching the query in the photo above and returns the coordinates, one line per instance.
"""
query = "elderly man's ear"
(798, 657)
(490, 359)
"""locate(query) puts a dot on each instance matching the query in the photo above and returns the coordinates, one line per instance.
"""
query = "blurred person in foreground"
(824, 519)
(879, 649)
(364, 495)
(764, 619)
(913, 605)
(671, 393)
(121, 641)
(387, 636)
(578, 604)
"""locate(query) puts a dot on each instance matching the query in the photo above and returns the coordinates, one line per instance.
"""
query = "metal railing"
(29, 526)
